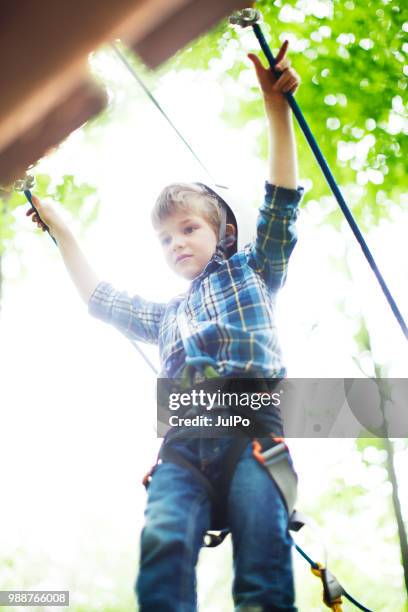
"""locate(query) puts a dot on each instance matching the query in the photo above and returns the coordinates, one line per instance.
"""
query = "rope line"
(160, 109)
(145, 357)
(316, 566)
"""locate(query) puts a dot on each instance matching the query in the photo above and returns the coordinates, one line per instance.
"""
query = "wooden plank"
(86, 101)
(44, 46)
(182, 27)
(43, 61)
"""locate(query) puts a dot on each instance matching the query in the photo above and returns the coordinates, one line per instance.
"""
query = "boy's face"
(188, 243)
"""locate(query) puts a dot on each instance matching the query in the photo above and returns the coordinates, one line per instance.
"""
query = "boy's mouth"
(182, 258)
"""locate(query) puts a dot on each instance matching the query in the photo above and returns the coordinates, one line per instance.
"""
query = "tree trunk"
(402, 533)
(2, 212)
(1, 281)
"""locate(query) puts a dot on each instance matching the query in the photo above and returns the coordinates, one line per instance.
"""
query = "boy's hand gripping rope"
(251, 17)
(25, 185)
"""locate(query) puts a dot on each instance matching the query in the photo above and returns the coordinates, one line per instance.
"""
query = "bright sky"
(78, 403)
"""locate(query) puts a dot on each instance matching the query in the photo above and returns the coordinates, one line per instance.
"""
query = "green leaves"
(75, 197)
(80, 199)
(351, 59)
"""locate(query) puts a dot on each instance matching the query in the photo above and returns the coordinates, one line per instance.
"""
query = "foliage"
(80, 200)
(351, 57)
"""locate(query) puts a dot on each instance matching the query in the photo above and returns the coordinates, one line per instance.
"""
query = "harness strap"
(219, 519)
(297, 521)
(276, 461)
(332, 589)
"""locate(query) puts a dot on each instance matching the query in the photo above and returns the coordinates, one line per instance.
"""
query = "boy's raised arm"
(282, 148)
(79, 269)
(135, 317)
(276, 231)
(282, 145)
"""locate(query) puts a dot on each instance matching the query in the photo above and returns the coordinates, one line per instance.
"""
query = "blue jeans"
(178, 516)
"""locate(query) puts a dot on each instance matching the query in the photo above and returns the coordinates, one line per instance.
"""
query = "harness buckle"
(204, 365)
(27, 182)
(264, 456)
(276, 460)
(332, 589)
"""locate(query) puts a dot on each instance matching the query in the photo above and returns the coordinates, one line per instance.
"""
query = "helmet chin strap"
(224, 241)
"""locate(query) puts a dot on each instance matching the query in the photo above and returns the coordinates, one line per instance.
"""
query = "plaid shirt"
(230, 306)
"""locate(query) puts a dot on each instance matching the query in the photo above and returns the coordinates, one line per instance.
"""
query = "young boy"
(237, 339)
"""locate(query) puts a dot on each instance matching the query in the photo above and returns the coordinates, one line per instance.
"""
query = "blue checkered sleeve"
(136, 318)
(276, 234)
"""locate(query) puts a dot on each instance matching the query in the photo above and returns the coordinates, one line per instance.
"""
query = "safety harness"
(272, 452)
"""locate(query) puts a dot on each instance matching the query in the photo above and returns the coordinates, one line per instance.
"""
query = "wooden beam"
(183, 26)
(86, 101)
(44, 46)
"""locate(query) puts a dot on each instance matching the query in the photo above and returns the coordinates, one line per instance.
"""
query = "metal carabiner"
(245, 18)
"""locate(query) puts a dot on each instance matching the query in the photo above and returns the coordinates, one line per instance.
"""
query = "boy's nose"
(178, 243)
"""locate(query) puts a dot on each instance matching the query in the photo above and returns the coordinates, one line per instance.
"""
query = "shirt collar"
(215, 261)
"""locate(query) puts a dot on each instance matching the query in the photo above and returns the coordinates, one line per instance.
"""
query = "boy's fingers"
(289, 87)
(259, 67)
(255, 59)
(283, 65)
(287, 81)
(262, 73)
(282, 51)
(282, 81)
(294, 82)
(35, 217)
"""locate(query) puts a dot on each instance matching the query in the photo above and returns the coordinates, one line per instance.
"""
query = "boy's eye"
(165, 241)
(189, 229)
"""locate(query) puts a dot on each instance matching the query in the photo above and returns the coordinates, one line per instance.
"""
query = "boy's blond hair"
(186, 197)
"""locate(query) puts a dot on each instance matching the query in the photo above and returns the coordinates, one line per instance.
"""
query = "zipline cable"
(316, 566)
(160, 109)
(145, 357)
